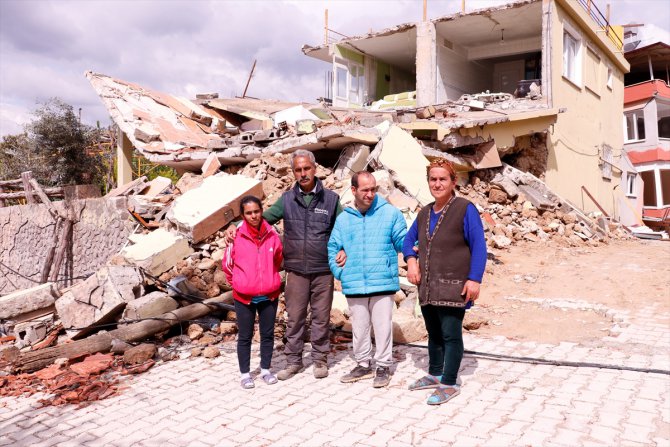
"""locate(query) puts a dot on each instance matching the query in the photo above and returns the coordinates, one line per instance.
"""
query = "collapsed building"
(507, 94)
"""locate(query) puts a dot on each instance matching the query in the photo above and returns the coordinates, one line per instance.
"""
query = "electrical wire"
(85, 276)
(538, 361)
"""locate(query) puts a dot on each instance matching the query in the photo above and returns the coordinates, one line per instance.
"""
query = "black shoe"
(382, 377)
(358, 373)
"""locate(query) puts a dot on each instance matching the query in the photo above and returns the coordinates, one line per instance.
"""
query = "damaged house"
(542, 80)
(646, 124)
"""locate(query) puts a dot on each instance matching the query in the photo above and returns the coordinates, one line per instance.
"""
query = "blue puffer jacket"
(371, 242)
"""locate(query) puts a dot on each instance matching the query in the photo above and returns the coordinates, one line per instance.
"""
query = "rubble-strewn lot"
(152, 289)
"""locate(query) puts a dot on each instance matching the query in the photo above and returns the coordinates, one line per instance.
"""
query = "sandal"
(269, 379)
(442, 395)
(425, 383)
(247, 383)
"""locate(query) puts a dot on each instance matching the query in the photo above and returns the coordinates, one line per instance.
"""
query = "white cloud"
(188, 47)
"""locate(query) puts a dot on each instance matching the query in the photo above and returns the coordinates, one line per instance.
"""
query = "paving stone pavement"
(198, 402)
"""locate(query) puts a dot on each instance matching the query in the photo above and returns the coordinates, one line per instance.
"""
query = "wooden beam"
(325, 27)
(102, 342)
(55, 191)
(11, 182)
(50, 254)
(27, 187)
(63, 242)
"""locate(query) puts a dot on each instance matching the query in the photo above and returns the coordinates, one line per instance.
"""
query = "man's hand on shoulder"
(229, 234)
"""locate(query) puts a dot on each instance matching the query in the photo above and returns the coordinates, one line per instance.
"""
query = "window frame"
(637, 114)
(575, 74)
(631, 178)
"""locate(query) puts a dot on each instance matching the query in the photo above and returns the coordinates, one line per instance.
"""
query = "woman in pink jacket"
(251, 264)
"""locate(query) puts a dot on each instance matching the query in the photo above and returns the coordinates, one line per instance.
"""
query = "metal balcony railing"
(601, 21)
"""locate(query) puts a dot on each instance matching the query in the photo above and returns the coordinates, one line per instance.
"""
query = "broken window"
(634, 126)
(663, 120)
(630, 184)
(571, 57)
(649, 196)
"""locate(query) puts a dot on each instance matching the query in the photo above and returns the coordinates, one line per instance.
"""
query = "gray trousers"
(316, 291)
(375, 312)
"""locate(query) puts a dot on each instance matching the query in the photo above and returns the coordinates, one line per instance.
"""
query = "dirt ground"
(549, 294)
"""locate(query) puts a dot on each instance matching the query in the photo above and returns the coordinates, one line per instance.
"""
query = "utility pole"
(253, 67)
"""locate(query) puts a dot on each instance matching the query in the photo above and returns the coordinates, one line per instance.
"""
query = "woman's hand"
(413, 271)
(470, 290)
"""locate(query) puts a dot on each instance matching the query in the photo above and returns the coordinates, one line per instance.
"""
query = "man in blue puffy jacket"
(371, 234)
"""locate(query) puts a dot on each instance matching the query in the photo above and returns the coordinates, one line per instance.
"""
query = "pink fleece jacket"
(252, 262)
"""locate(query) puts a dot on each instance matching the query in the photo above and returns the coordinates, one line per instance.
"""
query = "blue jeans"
(445, 341)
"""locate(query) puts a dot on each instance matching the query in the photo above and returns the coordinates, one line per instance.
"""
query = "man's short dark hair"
(354, 178)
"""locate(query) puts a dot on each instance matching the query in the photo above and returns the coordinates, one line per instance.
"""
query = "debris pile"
(166, 283)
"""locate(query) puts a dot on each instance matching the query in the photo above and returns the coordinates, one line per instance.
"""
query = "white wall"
(456, 75)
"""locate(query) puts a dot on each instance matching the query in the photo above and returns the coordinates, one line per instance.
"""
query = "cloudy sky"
(189, 47)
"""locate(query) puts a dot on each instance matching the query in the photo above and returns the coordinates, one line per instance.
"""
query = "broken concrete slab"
(102, 295)
(158, 251)
(28, 303)
(402, 201)
(204, 210)
(399, 153)
(150, 305)
(211, 165)
(354, 158)
(188, 181)
(293, 114)
(157, 186)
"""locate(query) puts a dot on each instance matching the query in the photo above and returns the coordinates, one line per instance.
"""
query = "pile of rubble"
(155, 287)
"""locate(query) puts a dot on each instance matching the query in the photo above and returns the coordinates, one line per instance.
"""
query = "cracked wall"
(26, 233)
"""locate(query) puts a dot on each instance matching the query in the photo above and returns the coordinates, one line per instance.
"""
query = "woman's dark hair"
(250, 199)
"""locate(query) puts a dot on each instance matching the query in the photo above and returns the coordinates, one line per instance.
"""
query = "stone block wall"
(100, 230)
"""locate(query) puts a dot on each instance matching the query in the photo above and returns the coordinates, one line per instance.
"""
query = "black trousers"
(445, 341)
(246, 316)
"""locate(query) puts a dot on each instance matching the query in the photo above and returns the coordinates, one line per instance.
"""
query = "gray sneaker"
(288, 372)
(358, 373)
(382, 377)
(320, 370)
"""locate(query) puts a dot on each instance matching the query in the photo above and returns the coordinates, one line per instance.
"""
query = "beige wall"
(593, 111)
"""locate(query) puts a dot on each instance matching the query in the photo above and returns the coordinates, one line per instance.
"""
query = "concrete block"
(150, 305)
(407, 328)
(34, 331)
(139, 354)
(27, 301)
(202, 211)
(100, 297)
(158, 251)
(399, 153)
(157, 186)
(497, 196)
(211, 165)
